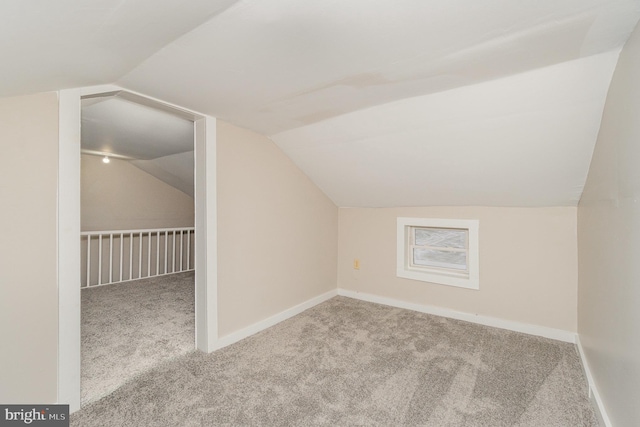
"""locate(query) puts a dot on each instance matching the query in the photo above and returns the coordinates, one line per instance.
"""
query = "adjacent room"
(137, 241)
(418, 212)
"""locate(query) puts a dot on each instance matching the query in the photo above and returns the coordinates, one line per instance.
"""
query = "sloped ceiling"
(524, 140)
(176, 170)
(155, 141)
(381, 103)
(115, 125)
(49, 45)
(280, 64)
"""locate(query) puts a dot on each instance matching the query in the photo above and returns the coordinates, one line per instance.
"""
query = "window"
(443, 251)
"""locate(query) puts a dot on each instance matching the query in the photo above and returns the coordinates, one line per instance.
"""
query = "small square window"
(439, 251)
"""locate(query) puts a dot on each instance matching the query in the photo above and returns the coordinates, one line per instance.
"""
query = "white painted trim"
(89, 91)
(68, 251)
(472, 281)
(140, 98)
(206, 257)
(68, 230)
(594, 394)
(541, 331)
(273, 320)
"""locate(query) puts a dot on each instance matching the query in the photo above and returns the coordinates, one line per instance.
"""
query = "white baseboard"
(542, 331)
(556, 334)
(594, 395)
(273, 320)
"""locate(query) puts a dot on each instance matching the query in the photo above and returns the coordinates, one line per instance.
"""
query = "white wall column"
(69, 248)
(206, 235)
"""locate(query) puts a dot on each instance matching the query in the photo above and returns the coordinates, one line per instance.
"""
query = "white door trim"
(69, 248)
(69, 231)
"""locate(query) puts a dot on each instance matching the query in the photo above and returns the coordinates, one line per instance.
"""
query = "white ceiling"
(177, 170)
(49, 45)
(524, 140)
(116, 125)
(381, 103)
(279, 64)
(156, 141)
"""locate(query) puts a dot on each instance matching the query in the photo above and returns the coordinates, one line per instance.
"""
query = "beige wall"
(528, 262)
(609, 247)
(28, 295)
(277, 232)
(119, 196)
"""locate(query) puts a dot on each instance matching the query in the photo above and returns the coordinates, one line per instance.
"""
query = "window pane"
(441, 237)
(440, 259)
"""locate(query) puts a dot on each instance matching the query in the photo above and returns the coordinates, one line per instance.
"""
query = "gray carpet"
(347, 362)
(128, 328)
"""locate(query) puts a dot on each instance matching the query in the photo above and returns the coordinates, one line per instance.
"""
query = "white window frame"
(469, 279)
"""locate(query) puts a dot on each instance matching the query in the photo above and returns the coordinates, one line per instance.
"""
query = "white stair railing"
(122, 255)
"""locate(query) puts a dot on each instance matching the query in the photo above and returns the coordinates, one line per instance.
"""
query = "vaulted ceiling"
(381, 103)
(113, 124)
(156, 141)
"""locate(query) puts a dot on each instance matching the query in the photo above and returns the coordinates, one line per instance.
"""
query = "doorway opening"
(137, 241)
(203, 250)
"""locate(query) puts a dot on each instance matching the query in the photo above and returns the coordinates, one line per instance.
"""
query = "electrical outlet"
(356, 264)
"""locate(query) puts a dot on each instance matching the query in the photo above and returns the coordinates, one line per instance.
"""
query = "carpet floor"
(348, 362)
(128, 328)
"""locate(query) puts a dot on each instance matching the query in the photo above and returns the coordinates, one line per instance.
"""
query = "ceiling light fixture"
(106, 159)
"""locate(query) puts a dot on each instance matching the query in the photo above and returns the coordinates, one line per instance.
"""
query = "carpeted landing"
(348, 362)
(128, 328)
